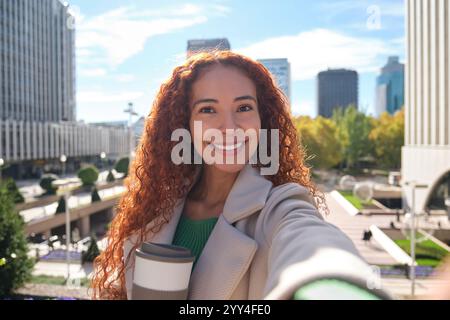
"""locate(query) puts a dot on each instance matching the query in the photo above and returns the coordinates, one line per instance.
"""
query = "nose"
(229, 123)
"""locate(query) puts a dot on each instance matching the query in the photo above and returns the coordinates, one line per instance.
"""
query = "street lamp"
(63, 185)
(2, 162)
(412, 271)
(63, 160)
(131, 113)
(102, 157)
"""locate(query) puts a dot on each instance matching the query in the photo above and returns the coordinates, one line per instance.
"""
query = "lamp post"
(131, 113)
(102, 157)
(412, 270)
(64, 186)
(2, 162)
(63, 160)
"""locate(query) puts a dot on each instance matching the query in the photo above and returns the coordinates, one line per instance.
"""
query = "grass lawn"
(41, 279)
(428, 253)
(358, 204)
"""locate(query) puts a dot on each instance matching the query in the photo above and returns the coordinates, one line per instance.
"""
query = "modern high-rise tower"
(336, 88)
(37, 61)
(390, 93)
(38, 124)
(281, 70)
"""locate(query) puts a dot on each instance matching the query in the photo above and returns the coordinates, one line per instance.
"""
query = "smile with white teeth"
(228, 147)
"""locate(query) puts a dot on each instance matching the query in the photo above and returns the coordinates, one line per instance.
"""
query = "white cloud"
(117, 35)
(313, 51)
(124, 77)
(102, 96)
(304, 108)
(97, 72)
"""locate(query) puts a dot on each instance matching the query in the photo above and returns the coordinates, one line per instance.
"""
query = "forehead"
(222, 82)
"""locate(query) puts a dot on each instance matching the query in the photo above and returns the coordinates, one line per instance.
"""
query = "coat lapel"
(228, 252)
(224, 260)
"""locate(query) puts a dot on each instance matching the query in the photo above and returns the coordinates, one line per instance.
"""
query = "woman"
(254, 236)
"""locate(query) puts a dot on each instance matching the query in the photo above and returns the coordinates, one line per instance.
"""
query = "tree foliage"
(388, 137)
(15, 265)
(122, 165)
(350, 137)
(46, 183)
(353, 131)
(319, 137)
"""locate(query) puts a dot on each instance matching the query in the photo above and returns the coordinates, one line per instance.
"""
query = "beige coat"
(267, 242)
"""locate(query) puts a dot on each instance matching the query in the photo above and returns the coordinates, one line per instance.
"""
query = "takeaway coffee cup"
(161, 272)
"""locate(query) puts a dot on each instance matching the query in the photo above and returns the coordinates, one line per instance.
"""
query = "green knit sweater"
(193, 234)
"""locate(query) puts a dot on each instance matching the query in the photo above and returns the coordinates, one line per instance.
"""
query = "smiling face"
(224, 99)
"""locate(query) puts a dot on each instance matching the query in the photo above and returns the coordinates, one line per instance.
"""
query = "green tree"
(122, 165)
(387, 137)
(319, 137)
(14, 191)
(15, 265)
(88, 175)
(353, 129)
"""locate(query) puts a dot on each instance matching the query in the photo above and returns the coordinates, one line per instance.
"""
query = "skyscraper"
(37, 92)
(281, 70)
(426, 154)
(37, 61)
(336, 88)
(199, 45)
(390, 87)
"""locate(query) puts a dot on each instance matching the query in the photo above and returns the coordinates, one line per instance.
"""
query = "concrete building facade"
(37, 91)
(199, 45)
(426, 154)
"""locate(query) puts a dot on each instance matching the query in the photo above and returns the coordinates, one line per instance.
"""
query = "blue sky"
(125, 49)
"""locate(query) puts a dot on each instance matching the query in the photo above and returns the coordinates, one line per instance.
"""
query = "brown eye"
(245, 108)
(207, 110)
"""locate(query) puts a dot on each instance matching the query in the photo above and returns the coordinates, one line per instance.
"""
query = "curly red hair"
(155, 183)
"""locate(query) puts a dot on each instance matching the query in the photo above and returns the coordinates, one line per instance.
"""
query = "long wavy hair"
(155, 183)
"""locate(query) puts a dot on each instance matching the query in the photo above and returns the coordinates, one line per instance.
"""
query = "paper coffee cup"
(161, 272)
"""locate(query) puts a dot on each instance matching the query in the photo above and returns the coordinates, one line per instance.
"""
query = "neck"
(214, 185)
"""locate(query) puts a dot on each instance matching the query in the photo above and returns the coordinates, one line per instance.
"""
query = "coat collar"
(227, 247)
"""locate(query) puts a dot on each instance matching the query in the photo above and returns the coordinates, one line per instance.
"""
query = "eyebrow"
(248, 97)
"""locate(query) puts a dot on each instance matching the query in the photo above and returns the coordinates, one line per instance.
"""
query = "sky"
(126, 49)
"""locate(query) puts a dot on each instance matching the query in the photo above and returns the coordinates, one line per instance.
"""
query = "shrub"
(92, 251)
(14, 191)
(61, 206)
(15, 265)
(110, 177)
(95, 196)
(46, 183)
(122, 165)
(88, 175)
